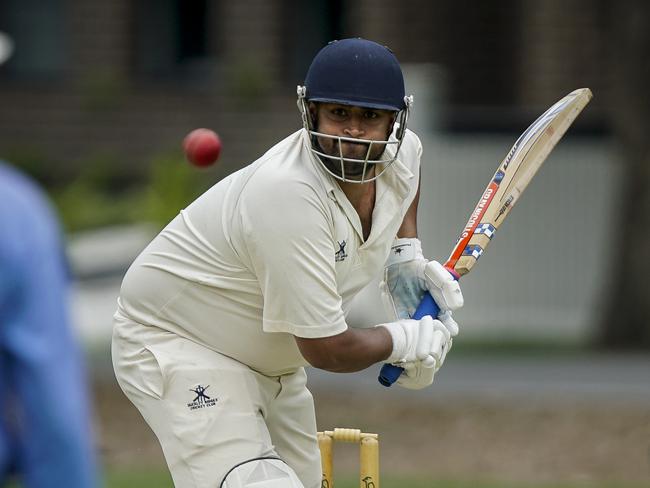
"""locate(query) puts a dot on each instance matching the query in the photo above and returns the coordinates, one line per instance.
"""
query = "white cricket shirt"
(271, 251)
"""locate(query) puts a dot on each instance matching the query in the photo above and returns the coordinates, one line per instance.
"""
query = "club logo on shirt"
(340, 255)
(201, 400)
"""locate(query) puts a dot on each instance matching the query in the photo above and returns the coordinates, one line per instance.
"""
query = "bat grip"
(389, 372)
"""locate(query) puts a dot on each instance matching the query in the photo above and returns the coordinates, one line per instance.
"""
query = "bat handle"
(389, 372)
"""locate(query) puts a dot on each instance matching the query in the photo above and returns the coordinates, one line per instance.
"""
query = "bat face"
(512, 177)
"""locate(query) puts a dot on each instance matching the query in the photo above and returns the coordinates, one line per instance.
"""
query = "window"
(478, 44)
(308, 27)
(37, 29)
(171, 38)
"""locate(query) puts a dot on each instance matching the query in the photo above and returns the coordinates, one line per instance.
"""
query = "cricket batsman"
(219, 315)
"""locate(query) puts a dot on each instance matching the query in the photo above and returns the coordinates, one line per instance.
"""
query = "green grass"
(388, 482)
(161, 479)
(152, 478)
(139, 479)
(155, 478)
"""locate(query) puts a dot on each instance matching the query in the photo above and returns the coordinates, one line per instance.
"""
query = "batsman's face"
(354, 122)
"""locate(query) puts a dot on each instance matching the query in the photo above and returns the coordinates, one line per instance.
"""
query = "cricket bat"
(504, 190)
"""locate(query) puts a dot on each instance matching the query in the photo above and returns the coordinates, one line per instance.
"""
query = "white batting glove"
(420, 374)
(408, 275)
(403, 285)
(426, 340)
(412, 339)
(444, 289)
(416, 375)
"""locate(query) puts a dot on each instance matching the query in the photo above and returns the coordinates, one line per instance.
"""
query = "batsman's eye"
(339, 113)
(370, 114)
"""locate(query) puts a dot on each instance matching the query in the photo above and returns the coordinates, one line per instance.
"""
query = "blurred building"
(127, 78)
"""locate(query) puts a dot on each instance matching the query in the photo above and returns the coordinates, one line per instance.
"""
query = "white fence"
(544, 273)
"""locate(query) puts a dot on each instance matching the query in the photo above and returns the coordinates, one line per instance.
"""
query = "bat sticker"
(505, 207)
(473, 250)
(485, 229)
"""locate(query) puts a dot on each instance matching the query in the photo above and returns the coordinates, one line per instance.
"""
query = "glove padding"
(444, 289)
(425, 340)
(416, 375)
(420, 374)
(408, 275)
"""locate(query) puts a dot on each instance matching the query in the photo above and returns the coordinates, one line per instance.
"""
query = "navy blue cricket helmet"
(360, 73)
(356, 72)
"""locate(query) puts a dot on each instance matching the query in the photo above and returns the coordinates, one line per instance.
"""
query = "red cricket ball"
(202, 147)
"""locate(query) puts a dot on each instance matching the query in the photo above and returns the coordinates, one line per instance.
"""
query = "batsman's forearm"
(362, 349)
(350, 351)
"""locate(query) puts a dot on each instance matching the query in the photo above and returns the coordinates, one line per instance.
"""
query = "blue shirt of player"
(44, 412)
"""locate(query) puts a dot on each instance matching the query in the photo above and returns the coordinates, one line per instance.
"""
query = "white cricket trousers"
(210, 412)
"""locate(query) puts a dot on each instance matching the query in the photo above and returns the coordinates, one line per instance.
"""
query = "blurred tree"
(627, 316)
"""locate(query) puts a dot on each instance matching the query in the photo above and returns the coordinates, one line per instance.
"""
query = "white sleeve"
(288, 238)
